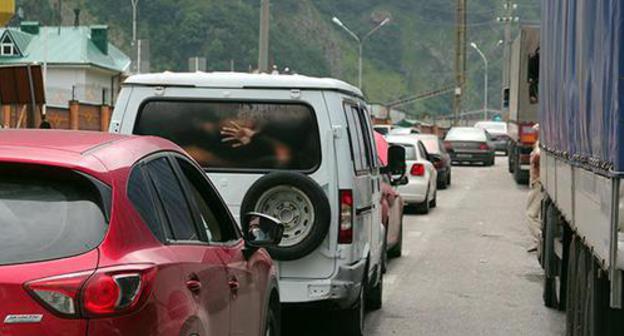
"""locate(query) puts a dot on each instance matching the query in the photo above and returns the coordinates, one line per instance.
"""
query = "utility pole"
(263, 57)
(507, 20)
(135, 46)
(460, 56)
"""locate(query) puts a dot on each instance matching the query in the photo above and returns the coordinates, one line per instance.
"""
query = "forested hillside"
(415, 53)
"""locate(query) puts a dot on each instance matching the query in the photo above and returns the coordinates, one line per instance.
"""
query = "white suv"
(296, 148)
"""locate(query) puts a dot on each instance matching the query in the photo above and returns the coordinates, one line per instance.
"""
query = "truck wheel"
(571, 286)
(580, 293)
(551, 262)
(520, 176)
(299, 203)
(510, 161)
(610, 322)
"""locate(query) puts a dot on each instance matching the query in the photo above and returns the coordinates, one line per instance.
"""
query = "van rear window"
(48, 213)
(253, 136)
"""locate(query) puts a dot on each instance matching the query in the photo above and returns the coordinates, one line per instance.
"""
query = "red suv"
(103, 234)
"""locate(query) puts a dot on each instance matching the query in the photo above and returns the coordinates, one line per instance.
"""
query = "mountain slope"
(413, 54)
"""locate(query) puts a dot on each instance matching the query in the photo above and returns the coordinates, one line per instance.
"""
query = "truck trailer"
(581, 113)
(523, 101)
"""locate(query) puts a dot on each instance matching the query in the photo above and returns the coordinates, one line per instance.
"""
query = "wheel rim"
(293, 208)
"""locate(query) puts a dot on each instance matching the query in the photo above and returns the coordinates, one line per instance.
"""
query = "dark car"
(498, 131)
(470, 145)
(439, 157)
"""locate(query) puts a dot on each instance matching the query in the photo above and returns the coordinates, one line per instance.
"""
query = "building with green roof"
(79, 62)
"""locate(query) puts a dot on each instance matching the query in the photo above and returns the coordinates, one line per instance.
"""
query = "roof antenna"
(76, 17)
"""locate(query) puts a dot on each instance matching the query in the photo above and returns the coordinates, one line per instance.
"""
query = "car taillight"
(528, 134)
(484, 146)
(345, 235)
(448, 146)
(105, 292)
(418, 169)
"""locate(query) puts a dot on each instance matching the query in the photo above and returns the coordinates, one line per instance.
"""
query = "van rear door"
(240, 135)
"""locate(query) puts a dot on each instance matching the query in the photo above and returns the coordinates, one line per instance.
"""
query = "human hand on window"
(237, 135)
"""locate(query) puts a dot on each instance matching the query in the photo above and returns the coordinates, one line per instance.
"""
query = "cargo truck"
(523, 101)
(582, 162)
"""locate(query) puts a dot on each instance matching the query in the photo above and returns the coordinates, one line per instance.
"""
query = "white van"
(296, 148)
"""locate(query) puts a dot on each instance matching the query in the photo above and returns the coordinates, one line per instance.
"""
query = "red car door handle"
(194, 286)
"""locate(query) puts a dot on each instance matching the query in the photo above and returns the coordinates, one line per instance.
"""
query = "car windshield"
(466, 134)
(239, 136)
(432, 144)
(410, 151)
(403, 131)
(382, 130)
(47, 213)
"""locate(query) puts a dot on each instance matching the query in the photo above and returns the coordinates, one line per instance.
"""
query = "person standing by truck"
(536, 196)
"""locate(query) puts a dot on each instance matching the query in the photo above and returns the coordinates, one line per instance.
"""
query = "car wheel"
(352, 322)
(443, 182)
(299, 203)
(374, 299)
(434, 201)
(384, 256)
(423, 208)
(273, 322)
(397, 250)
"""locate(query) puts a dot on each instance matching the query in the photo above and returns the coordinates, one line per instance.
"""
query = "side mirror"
(396, 161)
(262, 231)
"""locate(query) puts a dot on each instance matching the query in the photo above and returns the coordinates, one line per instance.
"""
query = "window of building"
(7, 47)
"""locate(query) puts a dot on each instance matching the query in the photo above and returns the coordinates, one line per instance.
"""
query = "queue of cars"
(218, 200)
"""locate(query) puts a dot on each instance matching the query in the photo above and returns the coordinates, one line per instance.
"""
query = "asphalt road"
(465, 269)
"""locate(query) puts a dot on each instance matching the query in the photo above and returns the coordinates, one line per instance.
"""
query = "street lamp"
(485, 99)
(360, 41)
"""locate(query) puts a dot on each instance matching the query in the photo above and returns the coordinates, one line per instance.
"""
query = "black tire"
(510, 161)
(443, 181)
(571, 286)
(608, 322)
(423, 208)
(550, 293)
(551, 263)
(580, 293)
(521, 177)
(318, 199)
(352, 319)
(274, 319)
(397, 250)
(434, 202)
(374, 298)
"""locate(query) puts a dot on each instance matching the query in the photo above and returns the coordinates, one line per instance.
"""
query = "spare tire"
(299, 203)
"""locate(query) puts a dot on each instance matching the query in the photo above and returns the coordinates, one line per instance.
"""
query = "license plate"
(464, 156)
